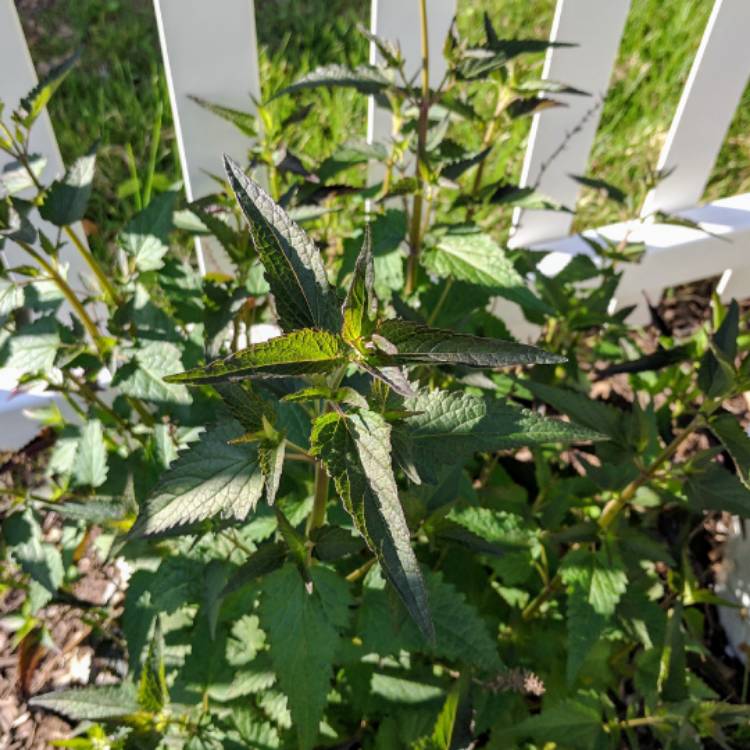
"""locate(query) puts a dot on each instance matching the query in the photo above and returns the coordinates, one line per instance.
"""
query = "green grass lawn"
(114, 95)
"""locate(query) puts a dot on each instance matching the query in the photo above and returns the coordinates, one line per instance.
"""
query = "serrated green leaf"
(349, 154)
(474, 257)
(585, 627)
(447, 427)
(356, 452)
(595, 583)
(497, 527)
(91, 703)
(455, 168)
(263, 561)
(245, 404)
(601, 574)
(11, 296)
(15, 177)
(36, 100)
(271, 460)
(734, 438)
(587, 411)
(66, 200)
(90, 465)
(146, 236)
(153, 694)
(712, 487)
(34, 347)
(293, 265)
(143, 376)
(672, 679)
(245, 122)
(416, 343)
(461, 634)
(296, 353)
(211, 478)
(446, 730)
(523, 197)
(366, 79)
(524, 106)
(334, 542)
(360, 305)
(14, 221)
(393, 377)
(613, 193)
(716, 372)
(303, 633)
(40, 560)
(577, 721)
(478, 62)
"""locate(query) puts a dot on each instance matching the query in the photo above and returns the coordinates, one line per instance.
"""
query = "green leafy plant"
(378, 527)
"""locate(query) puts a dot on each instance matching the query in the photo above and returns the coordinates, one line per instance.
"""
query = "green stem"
(91, 261)
(143, 412)
(153, 153)
(489, 134)
(357, 573)
(616, 505)
(134, 176)
(109, 291)
(317, 516)
(69, 295)
(89, 395)
(231, 536)
(441, 301)
(613, 509)
(415, 229)
(640, 721)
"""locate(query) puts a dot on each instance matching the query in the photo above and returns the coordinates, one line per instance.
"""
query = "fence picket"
(17, 79)
(710, 97)
(210, 50)
(561, 138)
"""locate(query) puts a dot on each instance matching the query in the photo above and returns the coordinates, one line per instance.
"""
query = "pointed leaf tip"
(294, 267)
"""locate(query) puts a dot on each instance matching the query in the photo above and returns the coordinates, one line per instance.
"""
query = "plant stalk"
(489, 134)
(613, 509)
(69, 295)
(615, 506)
(415, 229)
(91, 261)
(109, 291)
(317, 516)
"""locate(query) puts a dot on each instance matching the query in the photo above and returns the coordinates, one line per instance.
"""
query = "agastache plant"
(355, 437)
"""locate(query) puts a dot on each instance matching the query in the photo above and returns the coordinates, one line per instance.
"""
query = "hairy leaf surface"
(293, 265)
(366, 79)
(356, 451)
(211, 478)
(146, 236)
(460, 632)
(421, 344)
(303, 632)
(296, 353)
(360, 305)
(476, 258)
(447, 427)
(143, 376)
(91, 703)
(90, 466)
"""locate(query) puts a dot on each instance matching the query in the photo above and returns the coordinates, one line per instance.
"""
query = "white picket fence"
(210, 50)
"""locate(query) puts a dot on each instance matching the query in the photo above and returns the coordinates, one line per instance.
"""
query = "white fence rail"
(210, 50)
